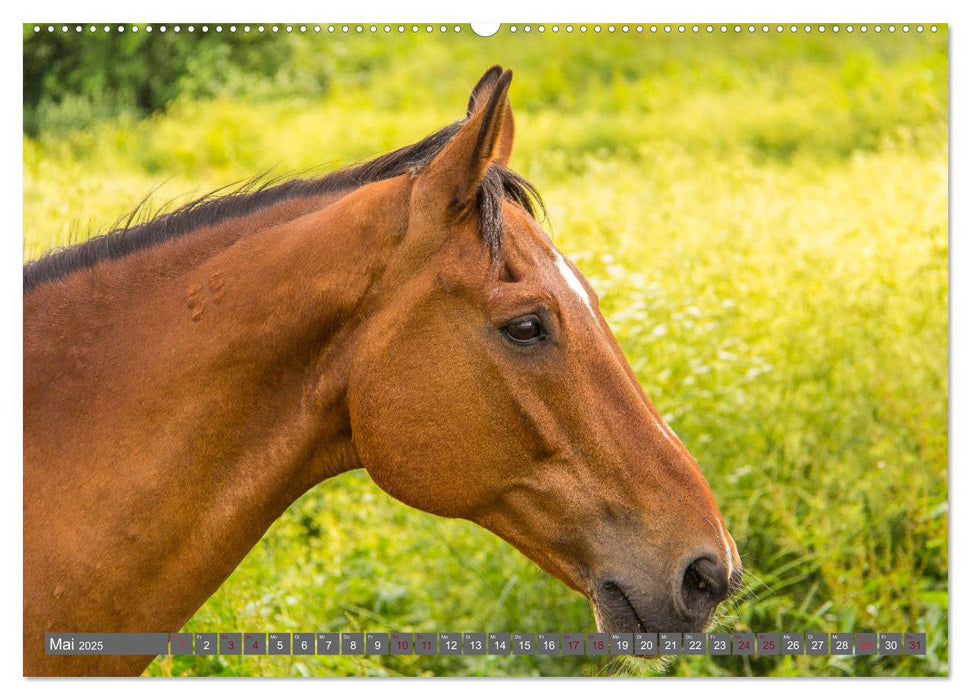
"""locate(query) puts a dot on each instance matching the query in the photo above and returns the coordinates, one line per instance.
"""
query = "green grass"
(765, 219)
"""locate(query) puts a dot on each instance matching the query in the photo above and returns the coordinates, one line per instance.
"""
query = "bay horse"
(187, 379)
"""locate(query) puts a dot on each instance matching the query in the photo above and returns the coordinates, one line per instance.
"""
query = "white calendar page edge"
(506, 11)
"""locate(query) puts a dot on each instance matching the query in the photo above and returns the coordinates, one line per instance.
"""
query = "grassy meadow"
(765, 218)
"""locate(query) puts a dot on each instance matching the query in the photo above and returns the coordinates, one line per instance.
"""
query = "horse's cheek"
(406, 437)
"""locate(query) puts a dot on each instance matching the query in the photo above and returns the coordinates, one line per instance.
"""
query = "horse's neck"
(173, 410)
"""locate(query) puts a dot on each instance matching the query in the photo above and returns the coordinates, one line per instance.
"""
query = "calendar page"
(536, 349)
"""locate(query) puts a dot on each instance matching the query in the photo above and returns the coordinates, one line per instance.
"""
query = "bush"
(73, 79)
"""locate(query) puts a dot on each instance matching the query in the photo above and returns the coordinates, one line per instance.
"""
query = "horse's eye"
(525, 330)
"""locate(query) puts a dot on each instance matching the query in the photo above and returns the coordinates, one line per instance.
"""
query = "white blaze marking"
(724, 537)
(728, 550)
(572, 280)
(667, 430)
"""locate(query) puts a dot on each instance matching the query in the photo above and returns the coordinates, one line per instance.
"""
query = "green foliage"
(765, 220)
(74, 79)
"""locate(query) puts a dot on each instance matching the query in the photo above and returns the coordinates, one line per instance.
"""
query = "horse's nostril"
(703, 586)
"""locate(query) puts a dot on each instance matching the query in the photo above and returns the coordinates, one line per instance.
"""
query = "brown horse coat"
(186, 380)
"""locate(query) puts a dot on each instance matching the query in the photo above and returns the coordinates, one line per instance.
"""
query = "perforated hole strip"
(685, 29)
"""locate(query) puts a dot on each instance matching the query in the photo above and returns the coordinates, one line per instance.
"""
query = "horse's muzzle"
(686, 604)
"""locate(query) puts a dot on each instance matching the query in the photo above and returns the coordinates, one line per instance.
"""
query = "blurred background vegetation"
(764, 217)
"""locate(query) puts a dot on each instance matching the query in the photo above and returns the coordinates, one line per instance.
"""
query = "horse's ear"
(480, 93)
(483, 140)
(483, 89)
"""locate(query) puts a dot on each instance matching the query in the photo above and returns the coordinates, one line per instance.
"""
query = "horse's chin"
(612, 622)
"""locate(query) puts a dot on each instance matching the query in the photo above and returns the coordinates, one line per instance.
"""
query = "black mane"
(215, 207)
